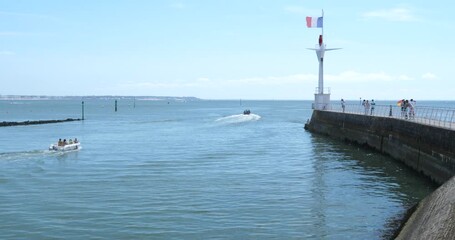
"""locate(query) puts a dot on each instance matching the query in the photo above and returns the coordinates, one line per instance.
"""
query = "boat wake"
(11, 156)
(24, 155)
(239, 118)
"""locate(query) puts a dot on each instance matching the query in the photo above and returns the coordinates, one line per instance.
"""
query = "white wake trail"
(239, 118)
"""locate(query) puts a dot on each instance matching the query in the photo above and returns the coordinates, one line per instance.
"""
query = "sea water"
(193, 170)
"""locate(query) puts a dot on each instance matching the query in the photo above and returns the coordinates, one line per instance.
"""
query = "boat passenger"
(64, 142)
(75, 140)
(70, 141)
(60, 143)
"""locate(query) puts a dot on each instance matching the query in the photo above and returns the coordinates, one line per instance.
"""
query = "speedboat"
(67, 147)
(246, 112)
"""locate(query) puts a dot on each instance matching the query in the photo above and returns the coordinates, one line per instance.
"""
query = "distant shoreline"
(170, 98)
(101, 97)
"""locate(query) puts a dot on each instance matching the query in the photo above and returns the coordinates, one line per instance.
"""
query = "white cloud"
(399, 14)
(27, 15)
(7, 53)
(12, 34)
(353, 76)
(207, 82)
(290, 80)
(151, 85)
(274, 80)
(429, 76)
(203, 79)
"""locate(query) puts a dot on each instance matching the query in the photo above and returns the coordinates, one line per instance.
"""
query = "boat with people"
(246, 112)
(68, 147)
(65, 146)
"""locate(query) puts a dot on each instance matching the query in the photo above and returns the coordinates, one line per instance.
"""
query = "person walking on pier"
(342, 104)
(372, 106)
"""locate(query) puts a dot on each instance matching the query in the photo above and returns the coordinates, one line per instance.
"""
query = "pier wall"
(427, 149)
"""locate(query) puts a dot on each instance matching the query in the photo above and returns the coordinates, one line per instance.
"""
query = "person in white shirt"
(372, 106)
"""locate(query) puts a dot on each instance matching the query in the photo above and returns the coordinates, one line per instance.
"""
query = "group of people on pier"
(369, 106)
(407, 108)
(64, 142)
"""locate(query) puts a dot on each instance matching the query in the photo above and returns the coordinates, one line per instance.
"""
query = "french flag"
(314, 22)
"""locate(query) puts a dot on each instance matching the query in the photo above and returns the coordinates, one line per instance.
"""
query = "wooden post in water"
(83, 110)
(116, 105)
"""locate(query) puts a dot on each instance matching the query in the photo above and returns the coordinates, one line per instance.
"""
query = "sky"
(227, 49)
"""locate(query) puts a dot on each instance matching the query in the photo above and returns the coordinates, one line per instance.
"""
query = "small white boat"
(67, 147)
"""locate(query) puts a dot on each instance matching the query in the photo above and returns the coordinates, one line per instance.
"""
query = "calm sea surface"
(192, 170)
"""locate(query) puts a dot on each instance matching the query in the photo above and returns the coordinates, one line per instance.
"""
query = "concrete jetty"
(24, 123)
(429, 150)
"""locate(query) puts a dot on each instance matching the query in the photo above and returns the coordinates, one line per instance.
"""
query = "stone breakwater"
(434, 217)
(427, 149)
(10, 124)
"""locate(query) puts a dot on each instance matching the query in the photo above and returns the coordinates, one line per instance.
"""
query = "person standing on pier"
(403, 108)
(413, 105)
(367, 107)
(342, 104)
(406, 106)
(372, 106)
(411, 110)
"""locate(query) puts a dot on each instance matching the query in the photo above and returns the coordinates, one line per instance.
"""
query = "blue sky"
(227, 49)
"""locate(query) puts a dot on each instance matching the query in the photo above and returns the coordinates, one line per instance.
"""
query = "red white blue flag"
(314, 22)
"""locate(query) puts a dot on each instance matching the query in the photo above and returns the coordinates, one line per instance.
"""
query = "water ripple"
(186, 172)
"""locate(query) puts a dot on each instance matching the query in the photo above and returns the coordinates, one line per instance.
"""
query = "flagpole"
(322, 23)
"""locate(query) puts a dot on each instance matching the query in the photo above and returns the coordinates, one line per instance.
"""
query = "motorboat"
(66, 147)
(246, 112)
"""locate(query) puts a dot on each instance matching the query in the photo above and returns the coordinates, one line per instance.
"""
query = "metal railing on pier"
(324, 90)
(440, 117)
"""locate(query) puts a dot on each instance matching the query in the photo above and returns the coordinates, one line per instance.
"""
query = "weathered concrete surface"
(429, 150)
(10, 124)
(434, 217)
